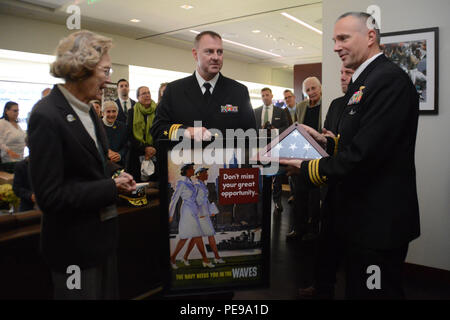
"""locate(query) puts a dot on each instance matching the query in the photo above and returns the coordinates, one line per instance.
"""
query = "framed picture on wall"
(110, 92)
(416, 52)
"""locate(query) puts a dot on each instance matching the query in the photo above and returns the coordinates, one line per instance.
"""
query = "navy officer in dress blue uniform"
(371, 174)
(206, 96)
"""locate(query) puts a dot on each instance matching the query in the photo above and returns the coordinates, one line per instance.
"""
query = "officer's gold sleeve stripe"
(311, 171)
(317, 173)
(170, 131)
(336, 142)
(313, 166)
(174, 130)
(321, 179)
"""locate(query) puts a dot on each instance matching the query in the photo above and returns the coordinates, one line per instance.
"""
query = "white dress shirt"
(82, 111)
(270, 109)
(123, 106)
(201, 81)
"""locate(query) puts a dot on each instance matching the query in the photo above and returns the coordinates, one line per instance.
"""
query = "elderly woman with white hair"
(116, 131)
(71, 175)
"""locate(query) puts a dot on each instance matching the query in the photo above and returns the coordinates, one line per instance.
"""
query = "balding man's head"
(313, 89)
(354, 41)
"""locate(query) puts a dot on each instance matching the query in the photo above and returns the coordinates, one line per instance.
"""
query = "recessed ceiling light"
(300, 47)
(186, 6)
(135, 20)
(256, 31)
(301, 22)
(243, 45)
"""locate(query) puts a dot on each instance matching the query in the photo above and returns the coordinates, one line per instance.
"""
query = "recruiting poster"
(217, 235)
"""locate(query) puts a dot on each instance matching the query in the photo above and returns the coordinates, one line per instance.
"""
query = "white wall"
(39, 37)
(432, 149)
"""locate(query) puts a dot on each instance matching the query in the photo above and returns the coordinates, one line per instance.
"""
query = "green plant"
(7, 195)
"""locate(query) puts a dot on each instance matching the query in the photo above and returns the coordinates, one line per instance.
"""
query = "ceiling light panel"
(186, 7)
(302, 23)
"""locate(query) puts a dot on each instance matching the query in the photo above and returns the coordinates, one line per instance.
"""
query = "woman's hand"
(125, 183)
(114, 156)
(149, 152)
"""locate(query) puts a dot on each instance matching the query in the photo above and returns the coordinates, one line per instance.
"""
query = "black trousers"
(362, 267)
(277, 189)
(306, 211)
(96, 283)
(360, 273)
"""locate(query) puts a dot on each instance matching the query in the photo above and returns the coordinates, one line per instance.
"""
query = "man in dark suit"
(270, 117)
(372, 194)
(291, 107)
(206, 96)
(333, 113)
(71, 177)
(291, 112)
(124, 102)
(267, 113)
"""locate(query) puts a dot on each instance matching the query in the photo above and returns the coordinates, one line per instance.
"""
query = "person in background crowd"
(124, 102)
(269, 117)
(162, 87)
(307, 201)
(71, 175)
(97, 107)
(291, 106)
(22, 185)
(45, 92)
(116, 132)
(140, 121)
(291, 113)
(12, 137)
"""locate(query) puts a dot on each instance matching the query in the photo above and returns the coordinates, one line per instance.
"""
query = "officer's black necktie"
(207, 93)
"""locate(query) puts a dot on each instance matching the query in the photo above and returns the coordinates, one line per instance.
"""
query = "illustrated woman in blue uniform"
(206, 209)
(189, 225)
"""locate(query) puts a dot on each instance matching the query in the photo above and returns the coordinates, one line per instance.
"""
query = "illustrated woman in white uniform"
(188, 226)
(206, 210)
